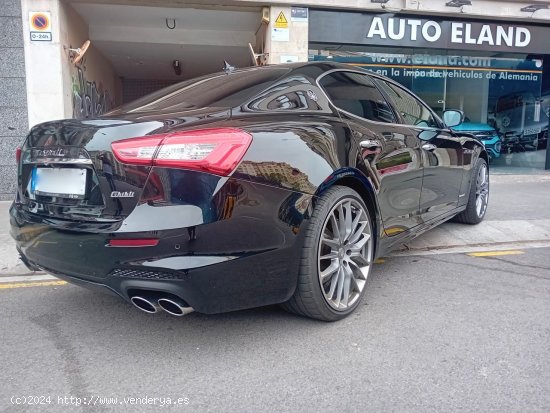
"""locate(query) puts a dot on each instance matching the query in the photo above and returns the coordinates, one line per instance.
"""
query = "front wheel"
(478, 198)
(336, 258)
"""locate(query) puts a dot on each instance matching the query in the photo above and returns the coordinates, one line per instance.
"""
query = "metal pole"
(545, 85)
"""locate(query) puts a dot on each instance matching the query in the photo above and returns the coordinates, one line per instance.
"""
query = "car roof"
(303, 66)
(324, 66)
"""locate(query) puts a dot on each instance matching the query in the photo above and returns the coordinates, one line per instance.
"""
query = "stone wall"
(13, 97)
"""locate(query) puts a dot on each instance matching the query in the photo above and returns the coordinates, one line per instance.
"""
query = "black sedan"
(276, 184)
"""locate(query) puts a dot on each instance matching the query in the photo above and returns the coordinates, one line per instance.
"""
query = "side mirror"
(453, 117)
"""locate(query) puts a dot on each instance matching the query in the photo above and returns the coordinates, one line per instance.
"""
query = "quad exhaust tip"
(152, 304)
(174, 306)
(144, 304)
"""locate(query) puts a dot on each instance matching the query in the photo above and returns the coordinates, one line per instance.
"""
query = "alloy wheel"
(482, 190)
(345, 254)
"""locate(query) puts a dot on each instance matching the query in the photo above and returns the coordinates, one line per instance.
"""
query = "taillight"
(137, 151)
(217, 151)
(18, 155)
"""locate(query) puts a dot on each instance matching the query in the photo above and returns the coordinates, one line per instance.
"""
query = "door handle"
(370, 144)
(429, 147)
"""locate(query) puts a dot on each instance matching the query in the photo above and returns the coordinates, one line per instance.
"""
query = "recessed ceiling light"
(534, 7)
(458, 3)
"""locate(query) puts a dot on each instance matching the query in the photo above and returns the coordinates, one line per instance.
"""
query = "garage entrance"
(139, 49)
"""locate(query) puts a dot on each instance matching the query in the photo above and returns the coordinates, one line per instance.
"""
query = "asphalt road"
(436, 333)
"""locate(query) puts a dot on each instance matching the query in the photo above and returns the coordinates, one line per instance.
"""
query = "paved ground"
(436, 333)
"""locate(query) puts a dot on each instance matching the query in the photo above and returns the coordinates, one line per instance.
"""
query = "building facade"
(488, 58)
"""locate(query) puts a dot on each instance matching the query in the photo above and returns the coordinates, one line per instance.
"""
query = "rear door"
(390, 151)
(442, 153)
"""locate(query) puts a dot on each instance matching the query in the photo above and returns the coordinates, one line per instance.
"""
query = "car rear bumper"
(248, 282)
(248, 258)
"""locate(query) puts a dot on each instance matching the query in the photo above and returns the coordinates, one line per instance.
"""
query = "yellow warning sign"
(281, 22)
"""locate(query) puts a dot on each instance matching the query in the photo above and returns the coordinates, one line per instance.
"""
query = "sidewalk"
(519, 213)
(10, 264)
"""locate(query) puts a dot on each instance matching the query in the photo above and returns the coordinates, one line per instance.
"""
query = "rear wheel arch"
(367, 194)
(358, 182)
(484, 155)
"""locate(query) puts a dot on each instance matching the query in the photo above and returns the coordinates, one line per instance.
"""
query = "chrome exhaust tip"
(175, 306)
(144, 304)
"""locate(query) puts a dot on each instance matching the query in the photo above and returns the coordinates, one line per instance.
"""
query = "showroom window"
(500, 96)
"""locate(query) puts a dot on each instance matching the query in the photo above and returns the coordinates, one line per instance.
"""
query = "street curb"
(459, 249)
(27, 278)
(22, 274)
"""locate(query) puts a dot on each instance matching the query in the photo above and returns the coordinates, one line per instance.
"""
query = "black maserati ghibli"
(274, 184)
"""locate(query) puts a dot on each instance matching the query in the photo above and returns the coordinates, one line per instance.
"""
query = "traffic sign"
(40, 26)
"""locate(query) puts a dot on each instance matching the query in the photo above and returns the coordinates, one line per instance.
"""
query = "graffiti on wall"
(89, 99)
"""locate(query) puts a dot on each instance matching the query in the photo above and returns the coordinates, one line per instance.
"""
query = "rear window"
(215, 90)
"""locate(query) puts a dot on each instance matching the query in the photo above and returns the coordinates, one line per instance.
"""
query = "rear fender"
(357, 181)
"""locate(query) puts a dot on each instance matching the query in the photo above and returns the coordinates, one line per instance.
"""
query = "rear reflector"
(217, 151)
(140, 242)
(18, 154)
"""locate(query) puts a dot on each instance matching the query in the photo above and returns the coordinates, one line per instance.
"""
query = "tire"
(479, 192)
(344, 261)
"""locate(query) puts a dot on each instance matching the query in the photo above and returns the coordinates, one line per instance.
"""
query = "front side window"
(355, 93)
(411, 109)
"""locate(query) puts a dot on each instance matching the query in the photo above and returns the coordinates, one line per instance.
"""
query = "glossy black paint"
(228, 243)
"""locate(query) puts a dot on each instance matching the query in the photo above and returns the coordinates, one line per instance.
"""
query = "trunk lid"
(68, 172)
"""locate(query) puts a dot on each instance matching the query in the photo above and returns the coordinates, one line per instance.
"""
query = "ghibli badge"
(126, 194)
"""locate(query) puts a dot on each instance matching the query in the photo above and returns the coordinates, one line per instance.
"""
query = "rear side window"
(216, 90)
(355, 93)
(291, 93)
(411, 109)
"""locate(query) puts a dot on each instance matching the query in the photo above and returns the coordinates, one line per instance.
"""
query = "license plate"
(59, 182)
(531, 131)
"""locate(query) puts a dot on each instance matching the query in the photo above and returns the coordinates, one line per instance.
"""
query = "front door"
(443, 170)
(441, 152)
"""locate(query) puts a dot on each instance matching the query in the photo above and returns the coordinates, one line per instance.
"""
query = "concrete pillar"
(286, 44)
(484, 98)
(44, 62)
(13, 97)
